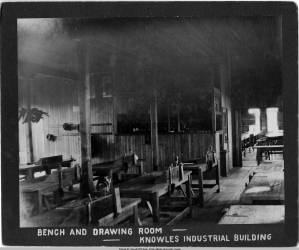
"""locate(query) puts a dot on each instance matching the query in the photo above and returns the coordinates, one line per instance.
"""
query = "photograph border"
(282, 235)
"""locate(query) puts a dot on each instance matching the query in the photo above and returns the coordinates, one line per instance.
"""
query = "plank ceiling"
(185, 46)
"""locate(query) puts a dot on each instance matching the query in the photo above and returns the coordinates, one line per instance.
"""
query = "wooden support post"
(279, 35)
(200, 187)
(217, 176)
(29, 143)
(155, 207)
(84, 127)
(179, 118)
(263, 119)
(154, 131)
(189, 195)
(168, 119)
(237, 149)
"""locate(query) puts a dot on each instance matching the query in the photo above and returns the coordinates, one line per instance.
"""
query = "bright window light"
(272, 119)
(256, 128)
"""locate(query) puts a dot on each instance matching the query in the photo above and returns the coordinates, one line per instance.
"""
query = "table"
(253, 214)
(100, 211)
(108, 169)
(149, 188)
(129, 210)
(29, 169)
(264, 188)
(198, 170)
(267, 168)
(41, 187)
(271, 149)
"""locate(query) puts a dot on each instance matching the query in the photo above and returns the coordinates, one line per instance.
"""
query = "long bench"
(50, 185)
(109, 210)
(124, 168)
(45, 164)
(202, 175)
(151, 187)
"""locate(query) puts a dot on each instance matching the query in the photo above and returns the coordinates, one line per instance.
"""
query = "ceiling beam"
(30, 68)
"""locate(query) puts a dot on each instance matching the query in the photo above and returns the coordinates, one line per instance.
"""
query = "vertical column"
(237, 150)
(179, 118)
(154, 130)
(263, 118)
(279, 35)
(200, 188)
(156, 207)
(84, 105)
(229, 110)
(28, 129)
(168, 119)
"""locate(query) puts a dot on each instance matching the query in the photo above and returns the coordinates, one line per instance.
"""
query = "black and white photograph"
(153, 122)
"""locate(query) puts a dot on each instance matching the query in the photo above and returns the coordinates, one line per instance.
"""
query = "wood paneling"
(57, 97)
(186, 146)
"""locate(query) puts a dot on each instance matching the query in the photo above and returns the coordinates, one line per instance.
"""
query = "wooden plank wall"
(102, 113)
(58, 97)
(186, 146)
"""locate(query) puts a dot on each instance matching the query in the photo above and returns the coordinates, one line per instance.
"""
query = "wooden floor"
(254, 214)
(215, 205)
(232, 188)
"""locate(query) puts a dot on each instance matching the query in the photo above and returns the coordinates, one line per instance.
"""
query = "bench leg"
(217, 178)
(29, 175)
(39, 202)
(135, 217)
(182, 190)
(149, 205)
(156, 208)
(46, 202)
(200, 188)
(188, 191)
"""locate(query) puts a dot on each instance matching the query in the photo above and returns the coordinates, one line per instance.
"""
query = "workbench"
(29, 169)
(129, 210)
(42, 187)
(152, 186)
(198, 170)
(254, 214)
(264, 188)
(124, 164)
(108, 169)
(100, 211)
(269, 149)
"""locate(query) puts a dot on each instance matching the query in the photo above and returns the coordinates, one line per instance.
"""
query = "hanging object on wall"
(70, 126)
(32, 115)
(51, 137)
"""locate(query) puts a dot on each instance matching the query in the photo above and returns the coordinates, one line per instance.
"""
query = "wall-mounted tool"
(70, 126)
(51, 137)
